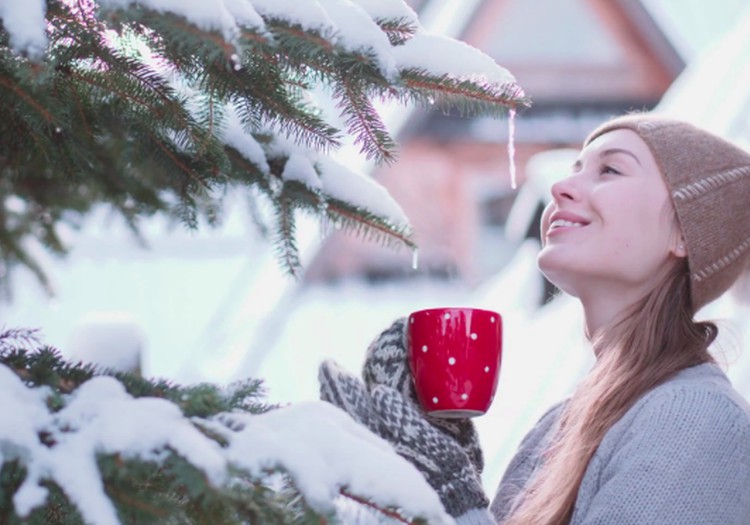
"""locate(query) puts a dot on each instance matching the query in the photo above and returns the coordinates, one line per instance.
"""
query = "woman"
(651, 225)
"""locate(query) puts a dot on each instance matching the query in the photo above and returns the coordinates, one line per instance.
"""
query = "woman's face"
(609, 226)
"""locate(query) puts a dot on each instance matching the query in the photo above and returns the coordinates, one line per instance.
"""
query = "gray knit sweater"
(680, 455)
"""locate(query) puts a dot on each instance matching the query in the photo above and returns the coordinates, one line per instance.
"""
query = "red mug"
(455, 356)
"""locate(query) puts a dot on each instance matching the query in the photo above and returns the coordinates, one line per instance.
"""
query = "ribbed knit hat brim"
(709, 184)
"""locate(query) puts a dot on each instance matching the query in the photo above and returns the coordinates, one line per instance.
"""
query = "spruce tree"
(132, 106)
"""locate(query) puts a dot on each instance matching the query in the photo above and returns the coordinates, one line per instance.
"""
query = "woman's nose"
(566, 189)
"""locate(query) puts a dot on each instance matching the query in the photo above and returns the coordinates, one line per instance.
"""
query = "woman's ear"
(678, 246)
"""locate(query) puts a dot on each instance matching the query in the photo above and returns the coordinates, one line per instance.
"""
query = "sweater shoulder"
(702, 387)
(701, 396)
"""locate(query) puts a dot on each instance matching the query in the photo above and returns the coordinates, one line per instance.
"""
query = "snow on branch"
(324, 451)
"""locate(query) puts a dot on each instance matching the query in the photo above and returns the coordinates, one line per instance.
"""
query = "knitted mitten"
(447, 452)
(441, 459)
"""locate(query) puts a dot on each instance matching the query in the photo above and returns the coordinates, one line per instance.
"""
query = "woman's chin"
(549, 263)
(558, 273)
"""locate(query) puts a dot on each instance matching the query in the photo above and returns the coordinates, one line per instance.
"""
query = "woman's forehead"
(620, 138)
(621, 141)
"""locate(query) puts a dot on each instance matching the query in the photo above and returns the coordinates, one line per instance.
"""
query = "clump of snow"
(25, 24)
(388, 10)
(100, 418)
(440, 55)
(308, 15)
(111, 340)
(245, 14)
(357, 31)
(298, 167)
(235, 135)
(359, 189)
(337, 180)
(325, 449)
(209, 15)
(322, 448)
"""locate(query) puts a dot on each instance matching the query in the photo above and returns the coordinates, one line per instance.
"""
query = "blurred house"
(580, 61)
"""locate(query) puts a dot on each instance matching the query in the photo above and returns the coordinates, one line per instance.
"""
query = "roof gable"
(572, 35)
(569, 50)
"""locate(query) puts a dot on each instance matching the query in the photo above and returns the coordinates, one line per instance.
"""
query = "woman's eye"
(609, 170)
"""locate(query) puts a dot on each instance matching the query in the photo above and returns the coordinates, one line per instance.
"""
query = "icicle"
(326, 223)
(325, 227)
(512, 146)
(415, 258)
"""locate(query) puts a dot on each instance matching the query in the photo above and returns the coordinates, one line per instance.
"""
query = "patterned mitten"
(440, 458)
(386, 363)
(447, 452)
(339, 387)
(438, 455)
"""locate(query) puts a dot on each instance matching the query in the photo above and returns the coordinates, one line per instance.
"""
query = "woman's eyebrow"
(612, 151)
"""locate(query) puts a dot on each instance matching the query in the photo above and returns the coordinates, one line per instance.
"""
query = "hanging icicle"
(415, 258)
(512, 146)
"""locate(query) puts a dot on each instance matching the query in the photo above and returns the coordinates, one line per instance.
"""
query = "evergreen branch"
(210, 113)
(471, 97)
(363, 121)
(292, 37)
(286, 246)
(247, 167)
(97, 122)
(144, 76)
(253, 37)
(11, 251)
(21, 351)
(124, 497)
(386, 512)
(311, 54)
(29, 99)
(262, 95)
(367, 222)
(180, 41)
(398, 30)
(83, 118)
(94, 80)
(181, 25)
(346, 215)
(11, 338)
(177, 162)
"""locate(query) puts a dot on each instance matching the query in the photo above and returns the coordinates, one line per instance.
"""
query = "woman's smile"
(561, 221)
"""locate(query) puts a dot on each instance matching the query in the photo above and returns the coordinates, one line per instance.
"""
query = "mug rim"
(445, 308)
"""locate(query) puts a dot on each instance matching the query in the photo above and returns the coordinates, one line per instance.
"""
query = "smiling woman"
(655, 433)
(650, 226)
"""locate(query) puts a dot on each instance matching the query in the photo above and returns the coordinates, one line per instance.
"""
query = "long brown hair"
(656, 339)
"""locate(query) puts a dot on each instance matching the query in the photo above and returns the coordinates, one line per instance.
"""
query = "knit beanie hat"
(709, 182)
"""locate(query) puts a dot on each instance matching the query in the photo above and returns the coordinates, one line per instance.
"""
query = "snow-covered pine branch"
(107, 448)
(162, 106)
